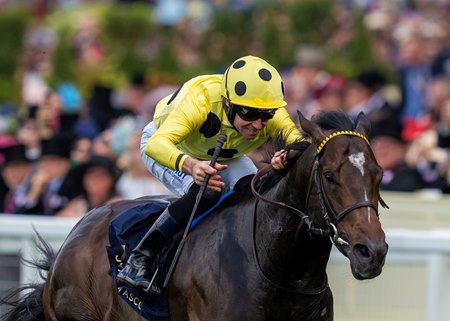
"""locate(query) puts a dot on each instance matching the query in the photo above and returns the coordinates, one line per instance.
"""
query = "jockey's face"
(249, 129)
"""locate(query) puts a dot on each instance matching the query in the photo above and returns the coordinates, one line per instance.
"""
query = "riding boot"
(135, 270)
(165, 227)
(182, 208)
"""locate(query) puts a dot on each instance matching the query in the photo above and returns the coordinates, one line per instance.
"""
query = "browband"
(335, 134)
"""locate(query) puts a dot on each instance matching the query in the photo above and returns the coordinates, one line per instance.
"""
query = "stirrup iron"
(153, 289)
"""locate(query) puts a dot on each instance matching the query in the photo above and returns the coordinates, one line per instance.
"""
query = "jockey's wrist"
(188, 165)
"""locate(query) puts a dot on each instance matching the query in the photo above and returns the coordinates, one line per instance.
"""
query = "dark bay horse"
(260, 257)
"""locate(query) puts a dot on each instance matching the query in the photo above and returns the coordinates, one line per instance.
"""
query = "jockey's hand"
(201, 168)
(279, 161)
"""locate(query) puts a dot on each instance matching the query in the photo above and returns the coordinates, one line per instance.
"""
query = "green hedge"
(270, 31)
(13, 24)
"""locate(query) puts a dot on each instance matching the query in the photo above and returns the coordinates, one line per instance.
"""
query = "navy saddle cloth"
(125, 232)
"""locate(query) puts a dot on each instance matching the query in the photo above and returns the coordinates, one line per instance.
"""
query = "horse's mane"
(329, 121)
(334, 120)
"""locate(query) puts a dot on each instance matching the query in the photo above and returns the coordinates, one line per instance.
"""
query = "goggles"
(252, 114)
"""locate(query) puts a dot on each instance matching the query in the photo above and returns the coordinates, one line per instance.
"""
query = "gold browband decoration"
(335, 134)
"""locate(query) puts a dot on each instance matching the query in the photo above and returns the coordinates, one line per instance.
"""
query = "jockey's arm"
(162, 146)
(284, 124)
(173, 128)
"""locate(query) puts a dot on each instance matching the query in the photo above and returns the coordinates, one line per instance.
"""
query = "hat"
(334, 84)
(100, 161)
(100, 107)
(371, 79)
(73, 183)
(67, 125)
(68, 121)
(388, 126)
(56, 146)
(14, 153)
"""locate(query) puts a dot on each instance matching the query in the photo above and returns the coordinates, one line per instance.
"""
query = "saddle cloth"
(125, 232)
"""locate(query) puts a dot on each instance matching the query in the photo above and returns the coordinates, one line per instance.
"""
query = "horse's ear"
(317, 134)
(362, 124)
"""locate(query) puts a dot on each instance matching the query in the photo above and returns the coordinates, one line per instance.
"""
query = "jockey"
(247, 104)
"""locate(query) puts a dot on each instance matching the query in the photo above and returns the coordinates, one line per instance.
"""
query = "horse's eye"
(329, 177)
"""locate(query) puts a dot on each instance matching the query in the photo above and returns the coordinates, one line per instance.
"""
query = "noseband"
(325, 207)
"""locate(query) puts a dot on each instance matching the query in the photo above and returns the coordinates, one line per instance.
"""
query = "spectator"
(365, 94)
(306, 78)
(40, 193)
(85, 125)
(67, 123)
(438, 91)
(100, 107)
(48, 114)
(414, 73)
(390, 151)
(35, 65)
(136, 180)
(130, 100)
(87, 47)
(331, 96)
(28, 135)
(80, 151)
(120, 133)
(429, 152)
(102, 144)
(97, 180)
(15, 169)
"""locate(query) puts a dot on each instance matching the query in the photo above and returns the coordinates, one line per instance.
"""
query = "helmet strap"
(229, 110)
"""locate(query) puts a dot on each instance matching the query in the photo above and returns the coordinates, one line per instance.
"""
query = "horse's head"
(344, 193)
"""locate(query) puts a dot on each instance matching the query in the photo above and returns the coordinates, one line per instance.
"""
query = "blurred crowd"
(65, 164)
(410, 111)
(63, 155)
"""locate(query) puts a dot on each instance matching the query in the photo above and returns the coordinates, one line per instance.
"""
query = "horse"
(262, 255)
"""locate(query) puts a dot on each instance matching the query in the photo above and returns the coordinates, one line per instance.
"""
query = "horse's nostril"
(362, 251)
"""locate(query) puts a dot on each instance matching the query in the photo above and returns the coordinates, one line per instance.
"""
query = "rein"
(321, 290)
(263, 171)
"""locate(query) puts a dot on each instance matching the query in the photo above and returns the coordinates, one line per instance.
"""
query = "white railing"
(414, 286)
(415, 280)
(17, 236)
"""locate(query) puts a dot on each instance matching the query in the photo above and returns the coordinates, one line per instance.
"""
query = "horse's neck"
(285, 247)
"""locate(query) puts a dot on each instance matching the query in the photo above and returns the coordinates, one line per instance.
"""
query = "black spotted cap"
(251, 81)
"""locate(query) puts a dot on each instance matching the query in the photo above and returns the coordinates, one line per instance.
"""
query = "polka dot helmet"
(251, 81)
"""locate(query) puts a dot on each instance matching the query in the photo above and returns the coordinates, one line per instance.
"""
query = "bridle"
(325, 207)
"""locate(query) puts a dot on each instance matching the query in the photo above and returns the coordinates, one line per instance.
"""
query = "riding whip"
(220, 142)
